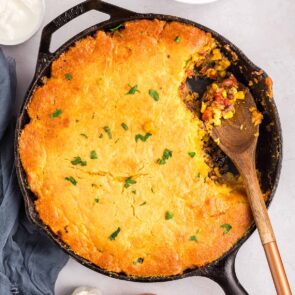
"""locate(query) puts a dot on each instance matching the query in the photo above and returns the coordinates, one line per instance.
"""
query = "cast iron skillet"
(269, 152)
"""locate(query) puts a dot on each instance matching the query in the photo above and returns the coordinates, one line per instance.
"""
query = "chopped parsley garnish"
(84, 135)
(142, 137)
(108, 131)
(154, 94)
(168, 215)
(177, 39)
(134, 192)
(68, 76)
(193, 238)
(124, 126)
(56, 113)
(116, 28)
(100, 135)
(227, 227)
(139, 260)
(96, 200)
(78, 161)
(71, 179)
(166, 155)
(192, 154)
(199, 175)
(129, 181)
(93, 155)
(143, 203)
(132, 90)
(113, 236)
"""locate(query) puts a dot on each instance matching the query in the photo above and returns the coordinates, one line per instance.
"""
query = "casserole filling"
(118, 162)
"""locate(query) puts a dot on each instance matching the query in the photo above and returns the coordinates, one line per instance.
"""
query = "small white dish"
(196, 1)
(25, 34)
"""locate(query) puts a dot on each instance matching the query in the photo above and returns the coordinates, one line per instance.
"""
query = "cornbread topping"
(116, 158)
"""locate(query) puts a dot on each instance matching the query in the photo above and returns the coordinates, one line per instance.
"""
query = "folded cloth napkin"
(29, 260)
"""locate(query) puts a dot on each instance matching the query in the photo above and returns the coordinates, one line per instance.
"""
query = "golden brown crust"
(102, 69)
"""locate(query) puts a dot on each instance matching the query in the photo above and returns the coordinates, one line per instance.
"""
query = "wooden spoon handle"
(277, 268)
(258, 207)
(265, 230)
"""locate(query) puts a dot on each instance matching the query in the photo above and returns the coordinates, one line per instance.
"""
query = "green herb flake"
(96, 200)
(227, 227)
(177, 39)
(78, 161)
(113, 236)
(192, 154)
(116, 28)
(124, 126)
(134, 192)
(108, 131)
(166, 155)
(129, 181)
(93, 155)
(68, 76)
(100, 135)
(154, 94)
(142, 137)
(168, 215)
(56, 113)
(193, 238)
(71, 179)
(132, 89)
(139, 260)
(84, 135)
(143, 203)
(199, 175)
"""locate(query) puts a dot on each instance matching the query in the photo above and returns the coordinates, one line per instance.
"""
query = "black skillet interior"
(269, 151)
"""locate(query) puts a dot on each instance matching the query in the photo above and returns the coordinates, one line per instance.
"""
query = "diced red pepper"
(207, 115)
(226, 102)
(228, 82)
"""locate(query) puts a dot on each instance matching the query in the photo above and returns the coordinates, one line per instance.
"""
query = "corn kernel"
(214, 86)
(223, 93)
(216, 54)
(233, 90)
(222, 74)
(240, 95)
(203, 107)
(228, 115)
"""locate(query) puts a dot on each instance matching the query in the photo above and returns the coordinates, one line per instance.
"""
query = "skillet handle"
(225, 276)
(44, 55)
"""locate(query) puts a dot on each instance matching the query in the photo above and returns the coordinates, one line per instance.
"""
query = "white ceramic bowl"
(29, 33)
(196, 1)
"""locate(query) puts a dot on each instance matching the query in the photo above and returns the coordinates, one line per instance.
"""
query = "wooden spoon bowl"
(237, 137)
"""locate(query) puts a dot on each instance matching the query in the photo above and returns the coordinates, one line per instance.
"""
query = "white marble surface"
(265, 30)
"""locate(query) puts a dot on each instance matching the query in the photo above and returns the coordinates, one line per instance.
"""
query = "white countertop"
(265, 30)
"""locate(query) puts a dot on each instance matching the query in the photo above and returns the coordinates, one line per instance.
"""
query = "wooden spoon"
(239, 144)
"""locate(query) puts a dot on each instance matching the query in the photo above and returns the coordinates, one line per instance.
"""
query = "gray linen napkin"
(29, 260)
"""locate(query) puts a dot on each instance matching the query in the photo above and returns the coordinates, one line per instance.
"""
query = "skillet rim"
(205, 270)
